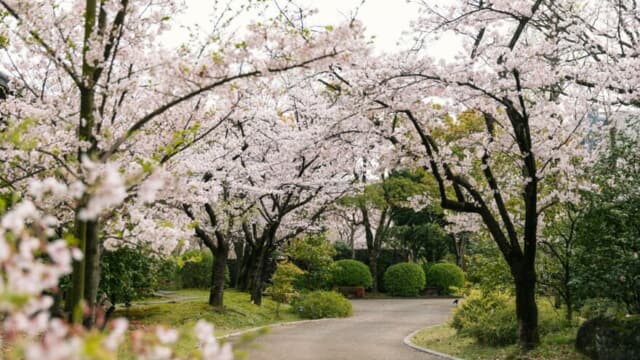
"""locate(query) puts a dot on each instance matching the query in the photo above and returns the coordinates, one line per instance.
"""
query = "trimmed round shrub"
(404, 279)
(352, 273)
(197, 268)
(323, 304)
(444, 276)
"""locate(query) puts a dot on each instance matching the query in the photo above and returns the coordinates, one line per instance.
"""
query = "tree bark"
(74, 306)
(256, 278)
(86, 232)
(460, 244)
(238, 247)
(373, 266)
(92, 271)
(216, 294)
(526, 308)
(246, 266)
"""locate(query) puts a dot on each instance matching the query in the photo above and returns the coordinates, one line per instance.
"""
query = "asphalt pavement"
(374, 332)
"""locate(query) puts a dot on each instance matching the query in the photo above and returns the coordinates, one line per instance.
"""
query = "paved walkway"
(374, 332)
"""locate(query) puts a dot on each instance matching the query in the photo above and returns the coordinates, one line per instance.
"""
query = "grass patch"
(443, 338)
(183, 308)
(176, 311)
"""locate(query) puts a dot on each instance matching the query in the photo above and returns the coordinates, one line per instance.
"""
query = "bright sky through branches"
(385, 21)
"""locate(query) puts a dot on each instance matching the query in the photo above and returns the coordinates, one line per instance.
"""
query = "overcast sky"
(384, 19)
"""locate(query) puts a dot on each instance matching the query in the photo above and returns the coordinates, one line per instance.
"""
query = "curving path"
(374, 332)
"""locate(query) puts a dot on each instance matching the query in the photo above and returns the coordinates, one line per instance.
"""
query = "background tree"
(421, 232)
(607, 244)
(534, 85)
(119, 96)
(559, 245)
(314, 254)
(376, 204)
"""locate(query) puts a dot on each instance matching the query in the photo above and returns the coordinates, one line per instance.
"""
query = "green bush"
(426, 265)
(602, 307)
(314, 255)
(323, 304)
(444, 276)
(197, 268)
(281, 289)
(169, 274)
(352, 273)
(490, 318)
(129, 273)
(487, 269)
(404, 279)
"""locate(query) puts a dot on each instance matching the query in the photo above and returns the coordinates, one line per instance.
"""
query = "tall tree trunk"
(256, 283)
(86, 232)
(373, 266)
(256, 273)
(216, 294)
(460, 244)
(92, 271)
(238, 248)
(246, 268)
(74, 306)
(526, 308)
(569, 303)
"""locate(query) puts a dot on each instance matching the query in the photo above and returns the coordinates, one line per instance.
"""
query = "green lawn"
(443, 338)
(183, 308)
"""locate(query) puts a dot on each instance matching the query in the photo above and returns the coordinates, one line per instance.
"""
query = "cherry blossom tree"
(534, 73)
(33, 259)
(294, 162)
(97, 90)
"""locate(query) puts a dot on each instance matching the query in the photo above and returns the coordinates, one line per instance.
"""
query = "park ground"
(375, 331)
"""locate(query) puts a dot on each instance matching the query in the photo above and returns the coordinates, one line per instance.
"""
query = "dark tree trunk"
(353, 245)
(526, 308)
(238, 247)
(245, 267)
(256, 282)
(373, 266)
(216, 294)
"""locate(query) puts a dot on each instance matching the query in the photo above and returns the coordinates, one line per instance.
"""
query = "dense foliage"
(349, 272)
(282, 290)
(323, 304)
(421, 233)
(130, 273)
(444, 276)
(607, 251)
(404, 279)
(246, 137)
(486, 269)
(314, 255)
(196, 269)
(489, 317)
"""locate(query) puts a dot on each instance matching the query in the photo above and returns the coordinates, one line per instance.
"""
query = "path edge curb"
(407, 341)
(274, 325)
